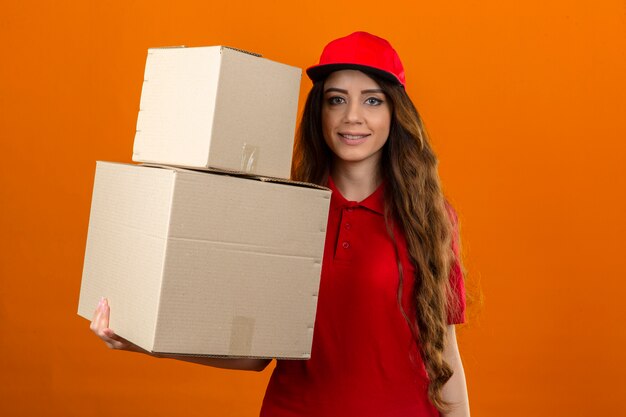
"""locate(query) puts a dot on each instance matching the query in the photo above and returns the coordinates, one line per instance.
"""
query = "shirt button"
(349, 209)
(345, 244)
(348, 226)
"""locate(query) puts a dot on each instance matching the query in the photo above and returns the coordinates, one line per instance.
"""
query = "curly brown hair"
(414, 199)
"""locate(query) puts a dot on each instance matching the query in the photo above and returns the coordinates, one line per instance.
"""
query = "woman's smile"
(354, 138)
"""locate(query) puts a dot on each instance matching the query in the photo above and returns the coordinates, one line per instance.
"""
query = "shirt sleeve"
(456, 304)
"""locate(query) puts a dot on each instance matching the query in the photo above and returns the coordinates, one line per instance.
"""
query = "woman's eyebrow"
(336, 90)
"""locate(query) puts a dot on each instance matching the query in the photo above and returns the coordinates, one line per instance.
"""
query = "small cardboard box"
(202, 263)
(217, 107)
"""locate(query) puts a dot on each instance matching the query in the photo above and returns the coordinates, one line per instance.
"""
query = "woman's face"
(356, 117)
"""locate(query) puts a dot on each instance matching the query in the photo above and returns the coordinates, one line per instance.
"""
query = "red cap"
(360, 51)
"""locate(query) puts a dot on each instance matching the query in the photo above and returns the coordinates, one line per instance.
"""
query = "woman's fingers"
(103, 322)
(96, 317)
(100, 326)
(101, 317)
(116, 342)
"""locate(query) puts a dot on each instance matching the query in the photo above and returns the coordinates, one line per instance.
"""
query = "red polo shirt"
(364, 361)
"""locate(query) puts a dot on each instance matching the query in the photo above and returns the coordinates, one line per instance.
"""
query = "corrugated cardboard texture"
(126, 244)
(255, 115)
(177, 106)
(216, 107)
(242, 262)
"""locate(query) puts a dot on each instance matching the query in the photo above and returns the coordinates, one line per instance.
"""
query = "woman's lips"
(353, 138)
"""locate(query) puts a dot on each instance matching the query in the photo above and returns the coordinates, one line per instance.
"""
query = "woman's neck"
(356, 182)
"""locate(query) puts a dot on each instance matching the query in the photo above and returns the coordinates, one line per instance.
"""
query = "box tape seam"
(242, 333)
(249, 157)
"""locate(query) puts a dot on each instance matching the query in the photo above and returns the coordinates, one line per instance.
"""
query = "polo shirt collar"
(375, 202)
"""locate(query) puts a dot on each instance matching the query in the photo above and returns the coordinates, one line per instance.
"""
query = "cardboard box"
(203, 263)
(217, 107)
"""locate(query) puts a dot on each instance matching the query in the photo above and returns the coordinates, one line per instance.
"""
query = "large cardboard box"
(203, 263)
(217, 107)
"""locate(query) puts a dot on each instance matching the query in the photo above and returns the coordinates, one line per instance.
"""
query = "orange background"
(526, 105)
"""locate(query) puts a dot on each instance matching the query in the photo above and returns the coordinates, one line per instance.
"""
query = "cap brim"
(320, 72)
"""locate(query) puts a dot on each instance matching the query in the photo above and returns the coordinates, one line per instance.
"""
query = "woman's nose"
(353, 113)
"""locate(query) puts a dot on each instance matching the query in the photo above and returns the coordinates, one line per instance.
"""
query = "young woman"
(391, 288)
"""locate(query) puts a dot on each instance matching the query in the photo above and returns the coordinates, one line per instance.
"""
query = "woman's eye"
(336, 100)
(373, 101)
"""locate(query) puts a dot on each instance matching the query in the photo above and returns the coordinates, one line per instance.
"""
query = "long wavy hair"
(414, 199)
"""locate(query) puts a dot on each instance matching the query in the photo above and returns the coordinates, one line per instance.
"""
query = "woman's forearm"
(224, 363)
(455, 390)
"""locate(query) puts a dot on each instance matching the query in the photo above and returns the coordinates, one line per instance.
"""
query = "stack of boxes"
(207, 248)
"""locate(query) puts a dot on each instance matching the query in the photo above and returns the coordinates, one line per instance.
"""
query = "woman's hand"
(100, 326)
